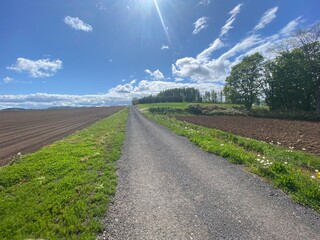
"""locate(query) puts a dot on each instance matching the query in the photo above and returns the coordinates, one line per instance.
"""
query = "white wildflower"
(99, 186)
(285, 162)
(313, 177)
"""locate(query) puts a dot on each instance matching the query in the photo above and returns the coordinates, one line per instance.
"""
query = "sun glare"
(165, 28)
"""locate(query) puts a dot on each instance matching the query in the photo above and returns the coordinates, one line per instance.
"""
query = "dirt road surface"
(170, 189)
(28, 131)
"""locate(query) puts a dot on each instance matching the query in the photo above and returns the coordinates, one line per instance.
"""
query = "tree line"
(181, 95)
(289, 82)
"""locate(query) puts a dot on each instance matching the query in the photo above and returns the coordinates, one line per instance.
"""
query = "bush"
(216, 110)
(166, 110)
(194, 109)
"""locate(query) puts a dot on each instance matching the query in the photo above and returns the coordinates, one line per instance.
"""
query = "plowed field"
(301, 135)
(28, 131)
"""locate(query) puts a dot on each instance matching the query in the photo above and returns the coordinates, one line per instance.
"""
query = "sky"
(105, 52)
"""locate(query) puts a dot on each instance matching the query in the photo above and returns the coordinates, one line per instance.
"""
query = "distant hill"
(14, 109)
(62, 107)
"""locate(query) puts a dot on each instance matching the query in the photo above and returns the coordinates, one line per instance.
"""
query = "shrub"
(166, 110)
(215, 110)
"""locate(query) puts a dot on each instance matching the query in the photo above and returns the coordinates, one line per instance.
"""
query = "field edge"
(66, 194)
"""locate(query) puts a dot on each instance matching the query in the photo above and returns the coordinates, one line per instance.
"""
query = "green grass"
(63, 190)
(286, 169)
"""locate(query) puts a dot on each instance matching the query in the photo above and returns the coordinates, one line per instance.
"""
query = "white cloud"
(267, 18)
(213, 71)
(7, 79)
(77, 24)
(164, 47)
(204, 2)
(291, 26)
(120, 95)
(205, 54)
(204, 68)
(37, 68)
(243, 45)
(101, 6)
(228, 25)
(146, 88)
(156, 75)
(200, 24)
(267, 45)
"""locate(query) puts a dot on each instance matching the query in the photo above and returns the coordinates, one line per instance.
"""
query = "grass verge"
(63, 190)
(292, 171)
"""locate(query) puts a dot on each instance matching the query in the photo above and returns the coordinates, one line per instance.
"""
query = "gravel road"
(170, 189)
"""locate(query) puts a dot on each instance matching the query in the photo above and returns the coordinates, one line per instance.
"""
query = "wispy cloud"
(205, 69)
(200, 24)
(156, 75)
(37, 68)
(163, 47)
(205, 54)
(100, 5)
(204, 2)
(291, 26)
(77, 24)
(242, 46)
(7, 79)
(266, 45)
(267, 18)
(228, 25)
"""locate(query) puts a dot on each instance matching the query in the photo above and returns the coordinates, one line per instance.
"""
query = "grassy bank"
(63, 190)
(292, 171)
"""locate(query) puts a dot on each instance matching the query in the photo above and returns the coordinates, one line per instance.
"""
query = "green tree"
(309, 42)
(243, 85)
(288, 84)
(214, 96)
(206, 97)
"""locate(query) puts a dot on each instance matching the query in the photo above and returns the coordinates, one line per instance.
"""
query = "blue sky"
(105, 52)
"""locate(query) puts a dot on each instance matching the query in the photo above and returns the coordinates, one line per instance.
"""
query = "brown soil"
(28, 131)
(298, 134)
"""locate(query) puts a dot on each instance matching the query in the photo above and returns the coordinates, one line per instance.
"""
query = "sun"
(147, 5)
